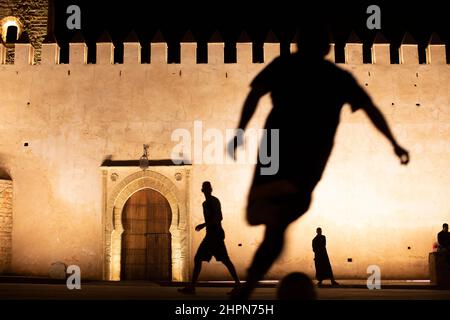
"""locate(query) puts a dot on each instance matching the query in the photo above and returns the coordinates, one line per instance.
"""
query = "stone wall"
(33, 14)
(6, 222)
(60, 122)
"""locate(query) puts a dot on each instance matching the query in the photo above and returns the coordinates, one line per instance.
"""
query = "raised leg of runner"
(265, 256)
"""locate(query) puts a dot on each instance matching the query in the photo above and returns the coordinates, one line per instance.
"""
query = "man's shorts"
(277, 203)
(212, 247)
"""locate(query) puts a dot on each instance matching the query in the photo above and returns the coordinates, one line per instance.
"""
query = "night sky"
(174, 18)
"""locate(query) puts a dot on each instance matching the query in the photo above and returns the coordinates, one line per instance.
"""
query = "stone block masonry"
(33, 14)
(5, 225)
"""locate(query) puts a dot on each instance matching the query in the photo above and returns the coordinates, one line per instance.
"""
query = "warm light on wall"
(7, 22)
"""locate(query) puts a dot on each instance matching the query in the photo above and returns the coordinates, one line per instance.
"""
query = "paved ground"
(211, 291)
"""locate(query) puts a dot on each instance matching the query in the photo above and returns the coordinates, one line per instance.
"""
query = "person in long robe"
(321, 260)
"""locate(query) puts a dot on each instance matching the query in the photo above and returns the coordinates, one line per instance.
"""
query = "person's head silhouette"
(313, 43)
(319, 231)
(296, 286)
(445, 227)
(207, 188)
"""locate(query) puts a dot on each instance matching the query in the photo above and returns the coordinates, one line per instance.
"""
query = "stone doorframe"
(115, 197)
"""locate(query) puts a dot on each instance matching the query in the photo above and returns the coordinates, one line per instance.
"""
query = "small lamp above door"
(143, 161)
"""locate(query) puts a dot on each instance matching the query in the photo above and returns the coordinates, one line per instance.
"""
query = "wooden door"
(146, 241)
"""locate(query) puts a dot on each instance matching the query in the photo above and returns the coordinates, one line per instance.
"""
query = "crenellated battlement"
(408, 52)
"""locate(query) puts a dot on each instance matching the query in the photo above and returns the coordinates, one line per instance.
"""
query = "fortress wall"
(33, 14)
(75, 115)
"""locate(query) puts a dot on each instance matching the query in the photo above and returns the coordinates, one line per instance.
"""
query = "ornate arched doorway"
(146, 240)
(125, 184)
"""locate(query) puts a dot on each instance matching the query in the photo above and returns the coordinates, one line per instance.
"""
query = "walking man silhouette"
(307, 93)
(213, 244)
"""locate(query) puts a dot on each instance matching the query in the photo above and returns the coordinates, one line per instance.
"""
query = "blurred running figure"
(308, 93)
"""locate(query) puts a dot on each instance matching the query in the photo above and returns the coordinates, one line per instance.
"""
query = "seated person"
(444, 239)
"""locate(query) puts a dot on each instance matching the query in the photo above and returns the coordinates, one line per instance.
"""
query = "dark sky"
(256, 17)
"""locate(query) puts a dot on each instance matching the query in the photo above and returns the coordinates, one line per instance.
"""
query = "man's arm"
(209, 224)
(439, 238)
(380, 123)
(200, 226)
(250, 105)
(248, 110)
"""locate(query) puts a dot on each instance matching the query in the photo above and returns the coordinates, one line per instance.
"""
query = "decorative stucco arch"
(113, 222)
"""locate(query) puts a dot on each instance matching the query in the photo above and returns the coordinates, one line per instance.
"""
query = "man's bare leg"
(265, 256)
(233, 273)
(191, 287)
